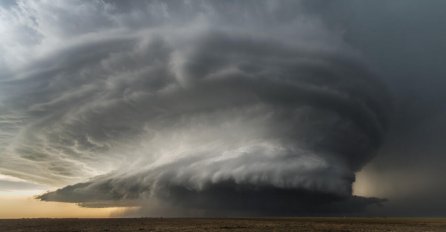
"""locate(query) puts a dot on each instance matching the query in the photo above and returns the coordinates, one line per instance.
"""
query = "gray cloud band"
(195, 116)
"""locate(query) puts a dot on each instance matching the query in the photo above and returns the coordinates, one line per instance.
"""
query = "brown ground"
(242, 224)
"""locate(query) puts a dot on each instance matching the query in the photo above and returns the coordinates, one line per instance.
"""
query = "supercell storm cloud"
(217, 106)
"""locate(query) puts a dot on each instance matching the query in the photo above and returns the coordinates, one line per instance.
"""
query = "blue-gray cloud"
(159, 101)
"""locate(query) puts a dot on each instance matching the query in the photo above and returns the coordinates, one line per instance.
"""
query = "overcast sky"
(217, 108)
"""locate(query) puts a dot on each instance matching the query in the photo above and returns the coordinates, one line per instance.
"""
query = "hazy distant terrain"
(220, 224)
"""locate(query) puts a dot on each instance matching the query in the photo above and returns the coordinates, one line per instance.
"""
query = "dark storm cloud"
(184, 105)
(404, 41)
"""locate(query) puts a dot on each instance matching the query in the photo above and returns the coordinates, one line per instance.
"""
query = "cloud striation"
(187, 107)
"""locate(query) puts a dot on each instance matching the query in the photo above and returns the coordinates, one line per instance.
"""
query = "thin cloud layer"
(180, 106)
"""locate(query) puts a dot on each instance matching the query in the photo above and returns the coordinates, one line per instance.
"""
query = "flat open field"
(217, 224)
